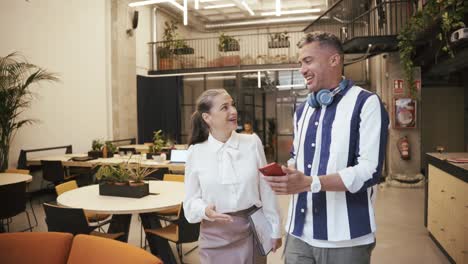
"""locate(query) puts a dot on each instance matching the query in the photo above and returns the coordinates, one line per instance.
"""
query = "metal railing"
(235, 50)
(354, 19)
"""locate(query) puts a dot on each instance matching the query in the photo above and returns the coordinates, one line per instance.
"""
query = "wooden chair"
(93, 218)
(179, 232)
(28, 194)
(19, 171)
(71, 220)
(167, 215)
(174, 211)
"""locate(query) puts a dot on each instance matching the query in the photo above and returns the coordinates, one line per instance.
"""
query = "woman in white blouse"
(223, 184)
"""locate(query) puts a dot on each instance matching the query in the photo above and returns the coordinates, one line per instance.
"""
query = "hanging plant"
(450, 13)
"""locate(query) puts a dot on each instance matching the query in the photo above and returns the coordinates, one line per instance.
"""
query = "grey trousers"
(299, 252)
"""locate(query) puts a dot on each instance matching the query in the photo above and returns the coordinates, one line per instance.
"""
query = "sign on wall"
(405, 113)
(398, 87)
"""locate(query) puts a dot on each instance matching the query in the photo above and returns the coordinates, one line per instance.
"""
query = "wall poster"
(405, 113)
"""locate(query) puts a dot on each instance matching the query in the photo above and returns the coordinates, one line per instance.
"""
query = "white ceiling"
(238, 13)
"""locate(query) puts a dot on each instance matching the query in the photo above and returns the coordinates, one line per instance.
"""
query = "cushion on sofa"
(35, 247)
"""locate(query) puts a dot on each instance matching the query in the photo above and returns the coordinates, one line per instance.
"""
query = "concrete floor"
(401, 235)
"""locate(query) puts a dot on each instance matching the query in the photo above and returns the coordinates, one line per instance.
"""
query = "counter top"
(440, 160)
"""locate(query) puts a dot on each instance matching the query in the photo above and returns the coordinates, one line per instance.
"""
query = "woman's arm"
(267, 196)
(194, 206)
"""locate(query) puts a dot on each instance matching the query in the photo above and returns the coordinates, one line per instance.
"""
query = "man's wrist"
(308, 183)
(316, 185)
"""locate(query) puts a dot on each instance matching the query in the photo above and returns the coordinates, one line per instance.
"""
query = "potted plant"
(111, 149)
(138, 173)
(114, 180)
(279, 40)
(159, 143)
(96, 149)
(227, 43)
(172, 45)
(16, 78)
(181, 47)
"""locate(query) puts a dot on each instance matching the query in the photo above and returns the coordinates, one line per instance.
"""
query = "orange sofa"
(60, 248)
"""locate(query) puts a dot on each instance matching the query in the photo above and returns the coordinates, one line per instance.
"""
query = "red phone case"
(272, 169)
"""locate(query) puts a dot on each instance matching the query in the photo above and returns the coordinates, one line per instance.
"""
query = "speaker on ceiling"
(135, 20)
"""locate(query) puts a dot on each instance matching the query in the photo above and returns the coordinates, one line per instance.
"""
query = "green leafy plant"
(113, 173)
(16, 78)
(111, 148)
(227, 43)
(96, 145)
(279, 40)
(450, 15)
(279, 36)
(159, 142)
(138, 173)
(172, 44)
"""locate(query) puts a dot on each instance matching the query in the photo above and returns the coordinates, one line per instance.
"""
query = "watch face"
(316, 186)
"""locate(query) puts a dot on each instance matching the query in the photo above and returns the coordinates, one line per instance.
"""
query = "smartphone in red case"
(272, 169)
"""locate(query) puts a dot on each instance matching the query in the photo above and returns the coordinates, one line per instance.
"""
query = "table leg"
(120, 223)
(158, 246)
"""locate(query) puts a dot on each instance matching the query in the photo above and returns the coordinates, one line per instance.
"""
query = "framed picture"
(405, 113)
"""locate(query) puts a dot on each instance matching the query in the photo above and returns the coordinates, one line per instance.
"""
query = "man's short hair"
(324, 39)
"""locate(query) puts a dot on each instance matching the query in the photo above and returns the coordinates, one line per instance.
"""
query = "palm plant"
(16, 77)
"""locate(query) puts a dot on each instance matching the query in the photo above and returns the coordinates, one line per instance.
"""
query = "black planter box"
(183, 51)
(95, 154)
(124, 190)
(278, 44)
(98, 154)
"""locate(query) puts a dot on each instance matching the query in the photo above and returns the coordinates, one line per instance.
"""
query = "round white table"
(10, 178)
(164, 195)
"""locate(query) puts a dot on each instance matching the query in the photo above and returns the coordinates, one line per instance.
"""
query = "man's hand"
(210, 211)
(293, 182)
(275, 244)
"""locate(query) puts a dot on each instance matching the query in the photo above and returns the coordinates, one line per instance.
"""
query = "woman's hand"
(276, 243)
(210, 212)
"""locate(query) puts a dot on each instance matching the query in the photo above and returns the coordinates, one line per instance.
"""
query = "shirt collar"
(232, 142)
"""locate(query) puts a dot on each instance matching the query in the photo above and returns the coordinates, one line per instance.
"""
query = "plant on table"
(111, 148)
(113, 173)
(137, 173)
(159, 142)
(16, 78)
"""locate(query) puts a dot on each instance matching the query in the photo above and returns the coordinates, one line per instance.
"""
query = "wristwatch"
(316, 186)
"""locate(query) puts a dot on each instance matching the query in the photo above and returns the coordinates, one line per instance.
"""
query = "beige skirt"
(228, 243)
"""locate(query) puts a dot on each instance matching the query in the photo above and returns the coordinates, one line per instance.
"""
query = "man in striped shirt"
(340, 136)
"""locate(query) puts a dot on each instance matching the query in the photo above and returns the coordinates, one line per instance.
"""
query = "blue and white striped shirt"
(348, 137)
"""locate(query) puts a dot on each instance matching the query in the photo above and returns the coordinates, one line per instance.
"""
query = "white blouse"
(226, 175)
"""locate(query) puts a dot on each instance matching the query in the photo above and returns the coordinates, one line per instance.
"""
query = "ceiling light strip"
(247, 7)
(197, 4)
(148, 2)
(263, 21)
(290, 86)
(278, 7)
(217, 72)
(293, 12)
(259, 80)
(218, 6)
(185, 12)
